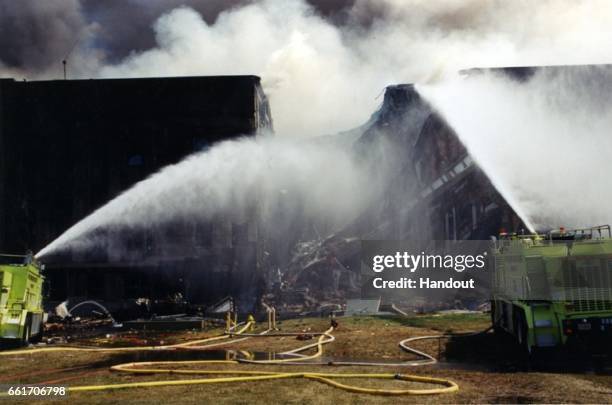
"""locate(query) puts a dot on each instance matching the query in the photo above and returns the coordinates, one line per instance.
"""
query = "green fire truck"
(554, 290)
(21, 312)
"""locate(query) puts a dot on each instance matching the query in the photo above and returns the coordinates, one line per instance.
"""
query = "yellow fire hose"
(122, 349)
(245, 376)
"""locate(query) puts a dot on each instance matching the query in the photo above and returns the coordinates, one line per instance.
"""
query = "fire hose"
(242, 376)
(245, 375)
(124, 349)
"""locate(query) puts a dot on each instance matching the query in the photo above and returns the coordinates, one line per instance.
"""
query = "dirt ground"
(487, 368)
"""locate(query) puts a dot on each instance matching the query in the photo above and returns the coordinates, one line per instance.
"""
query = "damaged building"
(68, 147)
(443, 194)
(437, 193)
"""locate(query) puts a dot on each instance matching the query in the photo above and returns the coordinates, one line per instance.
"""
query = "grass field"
(487, 368)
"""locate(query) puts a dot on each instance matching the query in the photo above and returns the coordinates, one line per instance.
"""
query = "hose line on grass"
(243, 376)
(429, 359)
(247, 375)
(125, 349)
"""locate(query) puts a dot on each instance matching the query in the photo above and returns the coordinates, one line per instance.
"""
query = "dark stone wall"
(68, 147)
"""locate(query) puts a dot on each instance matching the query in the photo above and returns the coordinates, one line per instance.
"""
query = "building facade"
(68, 147)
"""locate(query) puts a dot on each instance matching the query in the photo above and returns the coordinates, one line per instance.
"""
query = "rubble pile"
(432, 190)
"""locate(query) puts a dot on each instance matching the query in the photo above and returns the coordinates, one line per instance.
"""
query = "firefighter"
(251, 320)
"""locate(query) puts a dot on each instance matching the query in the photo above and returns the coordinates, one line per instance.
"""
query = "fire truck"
(21, 312)
(555, 289)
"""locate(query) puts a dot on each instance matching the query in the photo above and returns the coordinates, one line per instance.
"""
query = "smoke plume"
(37, 34)
(322, 62)
(544, 141)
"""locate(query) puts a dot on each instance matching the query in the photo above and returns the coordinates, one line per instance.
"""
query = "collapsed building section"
(439, 192)
(436, 192)
(68, 147)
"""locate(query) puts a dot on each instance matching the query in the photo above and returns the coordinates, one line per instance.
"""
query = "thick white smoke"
(323, 78)
(318, 181)
(313, 79)
(545, 143)
(322, 74)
